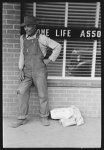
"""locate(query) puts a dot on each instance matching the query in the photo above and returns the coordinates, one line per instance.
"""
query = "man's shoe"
(45, 121)
(18, 123)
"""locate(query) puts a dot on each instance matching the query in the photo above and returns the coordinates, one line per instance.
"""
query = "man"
(32, 66)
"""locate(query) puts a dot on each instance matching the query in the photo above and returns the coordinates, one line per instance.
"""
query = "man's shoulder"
(43, 37)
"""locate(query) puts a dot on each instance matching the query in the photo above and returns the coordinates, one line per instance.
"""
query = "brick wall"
(11, 48)
(88, 100)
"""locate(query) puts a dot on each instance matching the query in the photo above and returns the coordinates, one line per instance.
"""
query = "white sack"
(68, 122)
(59, 113)
(68, 116)
(77, 115)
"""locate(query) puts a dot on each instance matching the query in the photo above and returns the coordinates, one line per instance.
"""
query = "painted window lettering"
(90, 33)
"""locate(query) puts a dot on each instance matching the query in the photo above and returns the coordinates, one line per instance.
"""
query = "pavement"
(34, 135)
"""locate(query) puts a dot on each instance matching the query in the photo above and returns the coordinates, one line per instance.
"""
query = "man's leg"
(23, 93)
(41, 84)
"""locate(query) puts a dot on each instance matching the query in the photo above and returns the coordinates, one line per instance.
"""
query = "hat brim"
(23, 24)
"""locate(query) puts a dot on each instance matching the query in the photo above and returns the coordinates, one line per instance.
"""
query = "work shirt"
(44, 42)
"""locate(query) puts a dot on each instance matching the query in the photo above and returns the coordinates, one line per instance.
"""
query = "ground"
(34, 135)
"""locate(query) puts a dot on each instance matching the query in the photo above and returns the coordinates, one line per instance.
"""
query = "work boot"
(45, 121)
(18, 123)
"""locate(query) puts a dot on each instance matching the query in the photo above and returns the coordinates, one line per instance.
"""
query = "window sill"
(74, 83)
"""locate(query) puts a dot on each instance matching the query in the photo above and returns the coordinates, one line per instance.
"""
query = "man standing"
(32, 66)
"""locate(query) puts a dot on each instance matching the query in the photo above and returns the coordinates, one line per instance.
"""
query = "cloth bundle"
(67, 116)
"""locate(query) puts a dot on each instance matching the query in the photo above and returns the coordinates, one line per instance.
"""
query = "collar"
(31, 37)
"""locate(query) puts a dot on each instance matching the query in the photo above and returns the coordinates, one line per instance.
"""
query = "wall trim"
(74, 83)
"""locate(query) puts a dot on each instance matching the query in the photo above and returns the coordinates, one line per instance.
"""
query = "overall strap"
(37, 35)
(24, 36)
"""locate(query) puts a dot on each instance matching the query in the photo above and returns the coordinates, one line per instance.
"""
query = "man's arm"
(55, 46)
(21, 59)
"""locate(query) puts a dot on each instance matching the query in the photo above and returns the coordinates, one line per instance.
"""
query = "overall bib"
(35, 72)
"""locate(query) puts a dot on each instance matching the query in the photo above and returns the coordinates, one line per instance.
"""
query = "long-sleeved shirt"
(44, 42)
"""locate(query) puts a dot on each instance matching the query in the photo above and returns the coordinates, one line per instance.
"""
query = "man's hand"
(47, 61)
(21, 75)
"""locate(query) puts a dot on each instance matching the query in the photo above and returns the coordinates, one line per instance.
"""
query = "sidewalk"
(33, 134)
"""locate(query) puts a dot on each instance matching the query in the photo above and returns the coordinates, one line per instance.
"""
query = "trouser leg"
(23, 93)
(41, 84)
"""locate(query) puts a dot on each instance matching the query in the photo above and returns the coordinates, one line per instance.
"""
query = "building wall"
(11, 48)
(87, 99)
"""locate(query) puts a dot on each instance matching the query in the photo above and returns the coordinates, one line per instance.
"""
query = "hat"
(29, 20)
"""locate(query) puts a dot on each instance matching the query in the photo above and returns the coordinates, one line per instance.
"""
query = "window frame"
(59, 80)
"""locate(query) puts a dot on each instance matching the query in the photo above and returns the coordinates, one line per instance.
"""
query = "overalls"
(35, 72)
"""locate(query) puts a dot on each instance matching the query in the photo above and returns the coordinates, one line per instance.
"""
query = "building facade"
(75, 77)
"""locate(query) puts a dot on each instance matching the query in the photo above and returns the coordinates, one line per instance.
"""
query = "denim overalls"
(35, 72)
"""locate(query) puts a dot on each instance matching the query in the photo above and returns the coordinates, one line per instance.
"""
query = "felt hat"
(29, 20)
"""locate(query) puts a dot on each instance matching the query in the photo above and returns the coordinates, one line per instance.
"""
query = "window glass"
(81, 14)
(79, 58)
(76, 57)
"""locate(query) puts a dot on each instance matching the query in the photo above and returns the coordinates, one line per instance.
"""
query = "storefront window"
(78, 58)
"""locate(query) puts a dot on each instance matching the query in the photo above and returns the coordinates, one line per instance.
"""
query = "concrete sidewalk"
(34, 135)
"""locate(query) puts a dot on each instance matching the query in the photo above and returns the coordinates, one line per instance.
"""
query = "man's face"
(30, 29)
